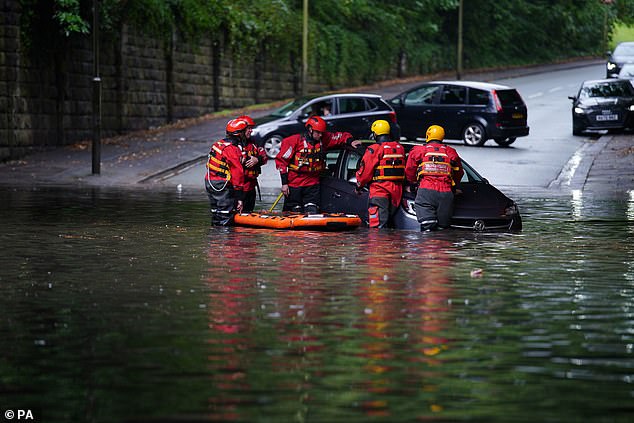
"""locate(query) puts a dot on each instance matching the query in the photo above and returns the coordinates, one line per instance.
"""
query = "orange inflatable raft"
(319, 222)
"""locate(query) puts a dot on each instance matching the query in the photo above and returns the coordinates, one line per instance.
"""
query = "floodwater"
(122, 306)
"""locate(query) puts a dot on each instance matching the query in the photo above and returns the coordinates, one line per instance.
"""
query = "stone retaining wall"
(145, 83)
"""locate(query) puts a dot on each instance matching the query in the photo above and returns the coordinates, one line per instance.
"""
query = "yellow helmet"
(435, 132)
(380, 127)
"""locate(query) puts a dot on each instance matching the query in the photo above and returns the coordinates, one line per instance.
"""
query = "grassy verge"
(621, 33)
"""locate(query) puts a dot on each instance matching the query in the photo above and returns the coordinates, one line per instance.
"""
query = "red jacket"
(225, 163)
(251, 173)
(434, 166)
(300, 162)
(383, 168)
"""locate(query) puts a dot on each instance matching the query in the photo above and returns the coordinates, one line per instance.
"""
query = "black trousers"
(380, 211)
(303, 199)
(433, 209)
(222, 202)
(248, 204)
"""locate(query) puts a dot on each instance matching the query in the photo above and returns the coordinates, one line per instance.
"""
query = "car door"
(451, 111)
(338, 194)
(415, 110)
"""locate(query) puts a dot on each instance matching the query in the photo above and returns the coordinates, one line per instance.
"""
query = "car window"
(607, 89)
(350, 164)
(453, 94)
(351, 105)
(509, 98)
(321, 108)
(423, 95)
(372, 104)
(332, 157)
(289, 108)
(478, 97)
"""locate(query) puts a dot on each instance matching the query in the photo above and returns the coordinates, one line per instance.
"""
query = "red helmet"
(235, 126)
(316, 123)
(247, 119)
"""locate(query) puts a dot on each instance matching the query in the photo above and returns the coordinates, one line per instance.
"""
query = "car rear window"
(478, 97)
(509, 98)
(351, 105)
(374, 104)
(453, 94)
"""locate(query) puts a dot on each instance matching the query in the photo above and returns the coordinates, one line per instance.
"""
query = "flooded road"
(126, 306)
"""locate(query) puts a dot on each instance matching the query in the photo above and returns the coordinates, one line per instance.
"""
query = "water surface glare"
(126, 306)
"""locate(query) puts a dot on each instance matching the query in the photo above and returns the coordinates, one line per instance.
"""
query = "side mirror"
(572, 97)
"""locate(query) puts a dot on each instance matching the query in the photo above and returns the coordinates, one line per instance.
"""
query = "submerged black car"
(603, 104)
(349, 112)
(479, 206)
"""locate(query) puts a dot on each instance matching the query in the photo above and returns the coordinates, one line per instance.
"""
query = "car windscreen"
(289, 108)
(624, 50)
(509, 98)
(607, 89)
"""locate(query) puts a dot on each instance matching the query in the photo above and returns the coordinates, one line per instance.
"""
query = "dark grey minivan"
(468, 110)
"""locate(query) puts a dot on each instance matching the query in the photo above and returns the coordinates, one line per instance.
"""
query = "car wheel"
(505, 142)
(473, 135)
(272, 145)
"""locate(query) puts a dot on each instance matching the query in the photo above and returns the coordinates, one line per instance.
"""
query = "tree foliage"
(353, 41)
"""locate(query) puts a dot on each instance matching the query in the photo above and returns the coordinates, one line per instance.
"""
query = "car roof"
(473, 84)
(311, 97)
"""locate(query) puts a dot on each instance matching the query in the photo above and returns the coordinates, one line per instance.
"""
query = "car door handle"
(336, 195)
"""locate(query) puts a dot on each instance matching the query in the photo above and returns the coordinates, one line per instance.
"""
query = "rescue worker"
(224, 180)
(382, 167)
(300, 161)
(254, 157)
(436, 168)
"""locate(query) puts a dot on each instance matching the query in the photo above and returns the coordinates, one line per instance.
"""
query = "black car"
(352, 113)
(622, 54)
(603, 104)
(479, 205)
(470, 111)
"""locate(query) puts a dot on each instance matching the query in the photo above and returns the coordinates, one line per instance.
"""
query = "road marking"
(552, 90)
(536, 95)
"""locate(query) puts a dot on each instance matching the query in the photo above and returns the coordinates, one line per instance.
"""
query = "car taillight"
(393, 117)
(496, 99)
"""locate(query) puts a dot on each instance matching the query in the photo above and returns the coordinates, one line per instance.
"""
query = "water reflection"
(130, 308)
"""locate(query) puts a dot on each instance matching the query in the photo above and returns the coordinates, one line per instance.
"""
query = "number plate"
(518, 115)
(607, 117)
